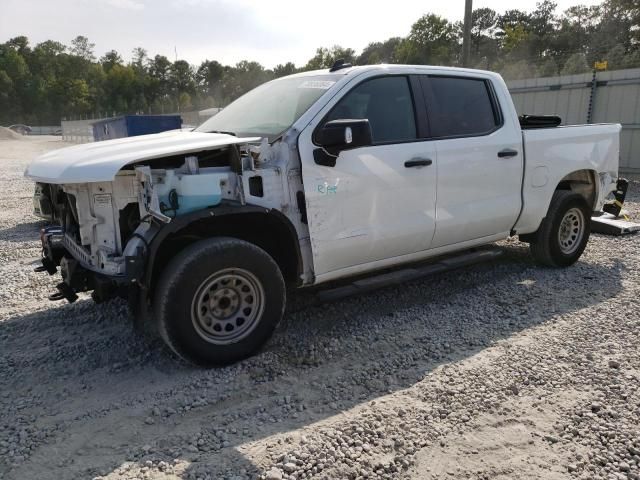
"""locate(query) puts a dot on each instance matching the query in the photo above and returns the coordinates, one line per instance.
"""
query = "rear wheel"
(564, 232)
(219, 300)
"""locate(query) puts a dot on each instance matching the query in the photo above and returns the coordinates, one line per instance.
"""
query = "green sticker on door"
(325, 189)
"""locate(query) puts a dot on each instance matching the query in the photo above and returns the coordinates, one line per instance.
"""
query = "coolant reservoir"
(195, 192)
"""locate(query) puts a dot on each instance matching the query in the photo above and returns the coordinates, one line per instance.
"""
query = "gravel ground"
(498, 371)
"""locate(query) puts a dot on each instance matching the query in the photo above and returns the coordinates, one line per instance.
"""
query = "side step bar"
(396, 277)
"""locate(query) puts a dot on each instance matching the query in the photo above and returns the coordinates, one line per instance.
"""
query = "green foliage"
(515, 38)
(242, 78)
(139, 59)
(380, 52)
(209, 82)
(432, 41)
(81, 47)
(41, 84)
(517, 70)
(184, 101)
(110, 60)
(326, 57)
(548, 68)
(281, 70)
(576, 63)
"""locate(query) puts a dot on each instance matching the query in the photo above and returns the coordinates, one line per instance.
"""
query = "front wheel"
(219, 300)
(564, 232)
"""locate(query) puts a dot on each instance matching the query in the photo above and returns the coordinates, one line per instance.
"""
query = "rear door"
(480, 159)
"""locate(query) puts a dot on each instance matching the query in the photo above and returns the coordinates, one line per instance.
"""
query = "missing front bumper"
(56, 252)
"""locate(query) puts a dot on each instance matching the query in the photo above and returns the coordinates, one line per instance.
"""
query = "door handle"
(418, 162)
(507, 153)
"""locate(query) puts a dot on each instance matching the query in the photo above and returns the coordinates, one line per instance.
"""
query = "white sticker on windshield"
(321, 84)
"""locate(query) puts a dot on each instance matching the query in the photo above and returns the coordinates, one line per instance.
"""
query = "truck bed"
(553, 153)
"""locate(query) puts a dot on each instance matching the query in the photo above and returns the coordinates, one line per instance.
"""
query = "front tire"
(564, 232)
(219, 300)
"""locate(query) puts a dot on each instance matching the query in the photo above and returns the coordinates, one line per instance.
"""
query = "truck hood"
(101, 161)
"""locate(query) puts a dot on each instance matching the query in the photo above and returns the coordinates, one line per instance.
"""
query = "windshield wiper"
(222, 131)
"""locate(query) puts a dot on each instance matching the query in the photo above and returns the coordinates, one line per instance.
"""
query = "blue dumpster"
(133, 125)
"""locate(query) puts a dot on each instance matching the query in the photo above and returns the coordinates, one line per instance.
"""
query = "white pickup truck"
(314, 177)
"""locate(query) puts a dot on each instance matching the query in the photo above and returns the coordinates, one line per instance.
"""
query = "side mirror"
(338, 135)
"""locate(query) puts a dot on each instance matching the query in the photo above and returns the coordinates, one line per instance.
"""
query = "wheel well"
(582, 182)
(265, 230)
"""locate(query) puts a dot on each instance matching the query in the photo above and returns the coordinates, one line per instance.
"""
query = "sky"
(270, 32)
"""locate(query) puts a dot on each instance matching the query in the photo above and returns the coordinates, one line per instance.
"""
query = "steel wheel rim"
(571, 231)
(227, 306)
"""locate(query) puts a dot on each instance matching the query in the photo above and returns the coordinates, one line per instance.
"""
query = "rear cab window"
(460, 106)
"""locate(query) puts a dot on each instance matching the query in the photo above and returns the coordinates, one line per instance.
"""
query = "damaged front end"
(103, 229)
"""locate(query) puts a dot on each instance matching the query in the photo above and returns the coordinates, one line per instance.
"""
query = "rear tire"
(219, 300)
(564, 232)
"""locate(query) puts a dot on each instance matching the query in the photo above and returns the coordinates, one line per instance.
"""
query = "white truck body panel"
(101, 161)
(478, 192)
(553, 153)
(369, 211)
(368, 208)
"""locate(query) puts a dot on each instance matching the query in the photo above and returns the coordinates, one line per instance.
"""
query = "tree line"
(43, 83)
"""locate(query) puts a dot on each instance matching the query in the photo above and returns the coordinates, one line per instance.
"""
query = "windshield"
(271, 108)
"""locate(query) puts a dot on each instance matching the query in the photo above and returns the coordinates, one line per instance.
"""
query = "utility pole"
(466, 34)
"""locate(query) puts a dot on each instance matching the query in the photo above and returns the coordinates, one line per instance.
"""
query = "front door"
(378, 201)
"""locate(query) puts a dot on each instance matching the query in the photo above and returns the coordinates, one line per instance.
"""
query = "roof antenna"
(339, 65)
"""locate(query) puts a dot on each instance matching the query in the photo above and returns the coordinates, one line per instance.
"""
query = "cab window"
(387, 103)
(459, 106)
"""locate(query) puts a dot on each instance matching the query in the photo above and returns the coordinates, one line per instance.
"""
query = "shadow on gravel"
(83, 363)
(24, 232)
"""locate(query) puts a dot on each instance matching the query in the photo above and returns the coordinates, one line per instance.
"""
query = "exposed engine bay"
(106, 226)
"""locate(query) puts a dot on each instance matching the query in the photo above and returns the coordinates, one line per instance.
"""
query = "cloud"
(126, 4)
(268, 31)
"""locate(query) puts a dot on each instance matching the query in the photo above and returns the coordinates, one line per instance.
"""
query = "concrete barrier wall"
(46, 130)
(78, 131)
